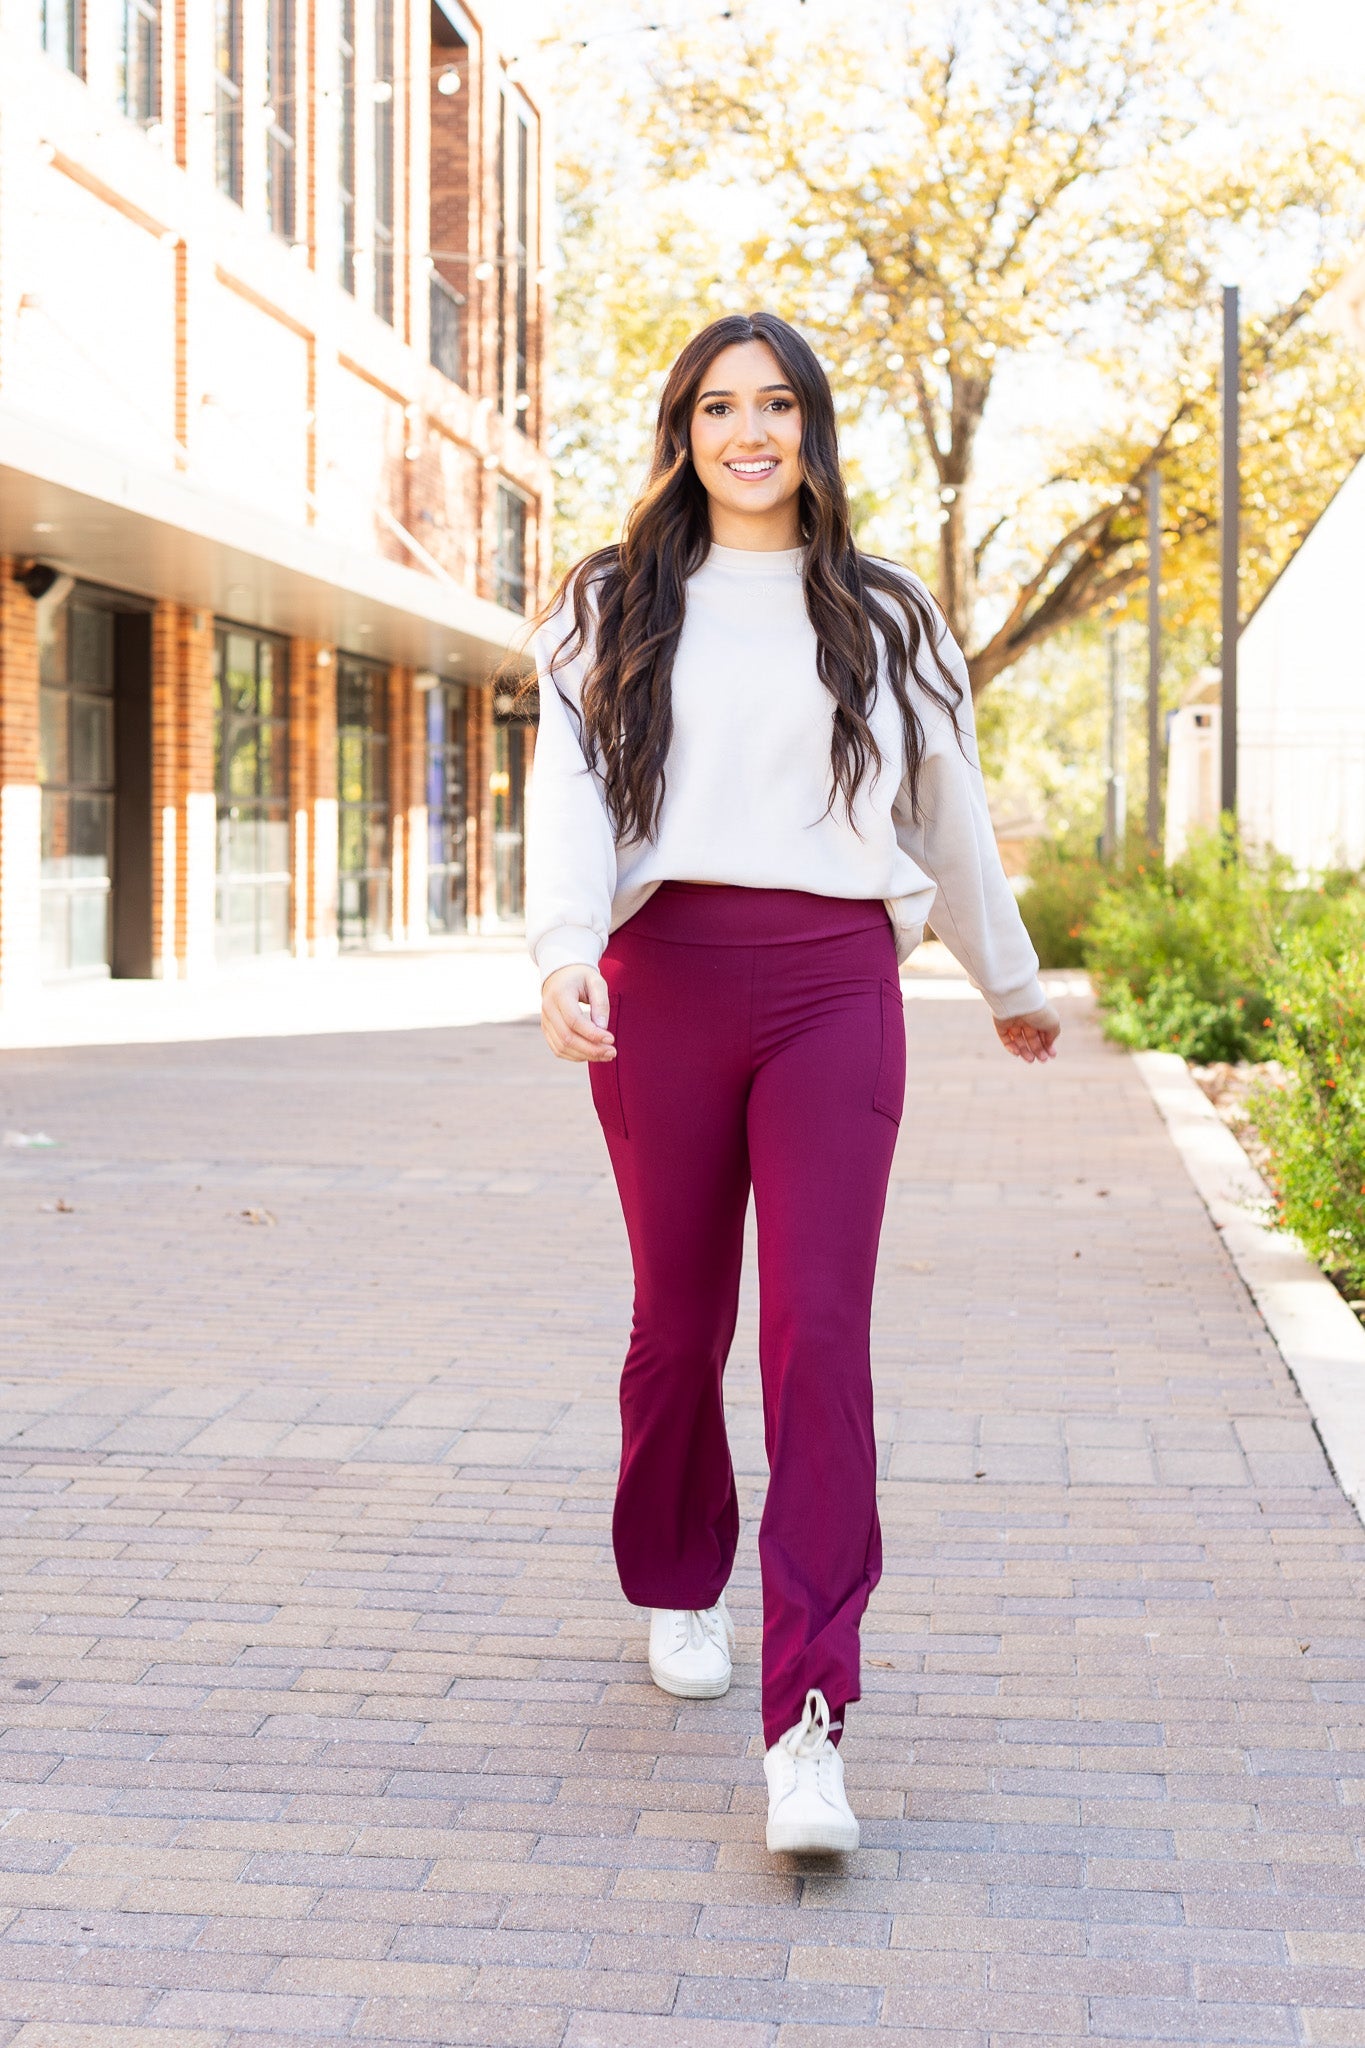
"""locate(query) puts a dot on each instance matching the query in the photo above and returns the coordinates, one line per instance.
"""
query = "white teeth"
(751, 468)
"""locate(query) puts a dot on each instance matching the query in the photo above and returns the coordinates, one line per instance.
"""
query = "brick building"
(273, 494)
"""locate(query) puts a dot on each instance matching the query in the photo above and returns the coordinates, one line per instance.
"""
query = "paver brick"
(608, 2030)
(258, 2010)
(462, 2025)
(1174, 2019)
(46, 2034)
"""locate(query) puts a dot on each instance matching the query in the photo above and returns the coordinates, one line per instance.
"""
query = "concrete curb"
(1318, 1337)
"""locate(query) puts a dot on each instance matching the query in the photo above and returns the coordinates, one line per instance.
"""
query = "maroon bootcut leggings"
(760, 1041)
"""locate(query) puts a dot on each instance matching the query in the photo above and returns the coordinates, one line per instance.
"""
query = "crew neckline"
(754, 561)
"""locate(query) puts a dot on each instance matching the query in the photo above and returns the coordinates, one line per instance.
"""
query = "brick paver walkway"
(325, 1718)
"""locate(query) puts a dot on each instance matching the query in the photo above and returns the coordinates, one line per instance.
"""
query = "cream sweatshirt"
(747, 785)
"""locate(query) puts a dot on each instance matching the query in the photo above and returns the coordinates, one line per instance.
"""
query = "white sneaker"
(807, 1810)
(689, 1650)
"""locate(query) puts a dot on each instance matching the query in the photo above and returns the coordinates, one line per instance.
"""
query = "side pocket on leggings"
(889, 1094)
(604, 1078)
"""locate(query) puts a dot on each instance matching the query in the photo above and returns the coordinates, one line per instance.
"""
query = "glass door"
(508, 786)
(447, 792)
(251, 728)
(362, 801)
(76, 771)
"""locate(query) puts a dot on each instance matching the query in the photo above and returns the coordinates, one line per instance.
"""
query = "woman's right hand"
(571, 1034)
(1032, 1036)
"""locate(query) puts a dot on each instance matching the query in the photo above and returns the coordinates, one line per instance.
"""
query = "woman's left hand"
(1032, 1036)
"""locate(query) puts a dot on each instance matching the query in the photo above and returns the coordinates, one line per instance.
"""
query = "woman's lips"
(760, 467)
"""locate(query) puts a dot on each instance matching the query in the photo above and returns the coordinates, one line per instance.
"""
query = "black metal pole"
(1115, 788)
(1231, 515)
(1154, 834)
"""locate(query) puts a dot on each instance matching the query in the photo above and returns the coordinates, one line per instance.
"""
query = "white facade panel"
(251, 434)
(365, 465)
(92, 345)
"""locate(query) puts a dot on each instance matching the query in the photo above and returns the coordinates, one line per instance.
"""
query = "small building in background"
(1193, 763)
(1300, 710)
(1301, 698)
(273, 489)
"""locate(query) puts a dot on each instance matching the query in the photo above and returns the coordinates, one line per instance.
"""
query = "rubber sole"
(830, 1838)
(692, 1688)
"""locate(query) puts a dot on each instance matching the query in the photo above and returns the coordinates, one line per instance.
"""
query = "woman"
(755, 778)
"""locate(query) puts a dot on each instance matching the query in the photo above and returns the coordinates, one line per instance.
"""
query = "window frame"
(139, 93)
(346, 144)
(61, 27)
(385, 195)
(227, 99)
(281, 87)
(511, 586)
(500, 260)
(521, 298)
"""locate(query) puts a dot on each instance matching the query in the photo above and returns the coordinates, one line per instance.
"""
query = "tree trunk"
(956, 571)
(957, 563)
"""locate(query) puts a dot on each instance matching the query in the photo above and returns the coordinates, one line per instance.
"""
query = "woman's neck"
(758, 533)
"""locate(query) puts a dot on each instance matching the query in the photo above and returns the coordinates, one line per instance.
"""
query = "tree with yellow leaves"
(1018, 209)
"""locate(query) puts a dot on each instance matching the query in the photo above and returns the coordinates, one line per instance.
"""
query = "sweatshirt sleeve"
(953, 842)
(570, 846)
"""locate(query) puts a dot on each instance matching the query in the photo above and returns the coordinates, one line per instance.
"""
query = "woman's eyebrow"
(761, 389)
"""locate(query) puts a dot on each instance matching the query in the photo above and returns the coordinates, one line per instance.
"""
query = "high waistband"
(723, 914)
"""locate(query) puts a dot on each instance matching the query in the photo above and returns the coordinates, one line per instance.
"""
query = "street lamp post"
(1116, 781)
(1154, 658)
(1231, 517)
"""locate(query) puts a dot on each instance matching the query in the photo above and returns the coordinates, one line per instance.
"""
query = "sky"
(1319, 41)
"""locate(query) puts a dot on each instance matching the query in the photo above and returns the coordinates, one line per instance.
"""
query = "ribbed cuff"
(1018, 1002)
(567, 945)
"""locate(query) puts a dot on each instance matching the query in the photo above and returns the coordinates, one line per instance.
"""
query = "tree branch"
(979, 551)
(927, 419)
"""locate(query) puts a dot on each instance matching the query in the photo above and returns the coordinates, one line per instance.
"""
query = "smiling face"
(746, 448)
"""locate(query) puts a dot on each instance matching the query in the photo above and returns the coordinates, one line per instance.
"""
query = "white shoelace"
(703, 1625)
(808, 1738)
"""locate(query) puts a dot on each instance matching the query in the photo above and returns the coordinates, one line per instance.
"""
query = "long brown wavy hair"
(638, 591)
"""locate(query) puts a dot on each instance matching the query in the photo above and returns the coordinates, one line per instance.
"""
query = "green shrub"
(1314, 1128)
(1225, 956)
(1180, 955)
(1173, 1017)
(1063, 882)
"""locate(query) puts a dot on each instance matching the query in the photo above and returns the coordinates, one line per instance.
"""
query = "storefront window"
(251, 727)
(76, 771)
(507, 786)
(362, 801)
(447, 795)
